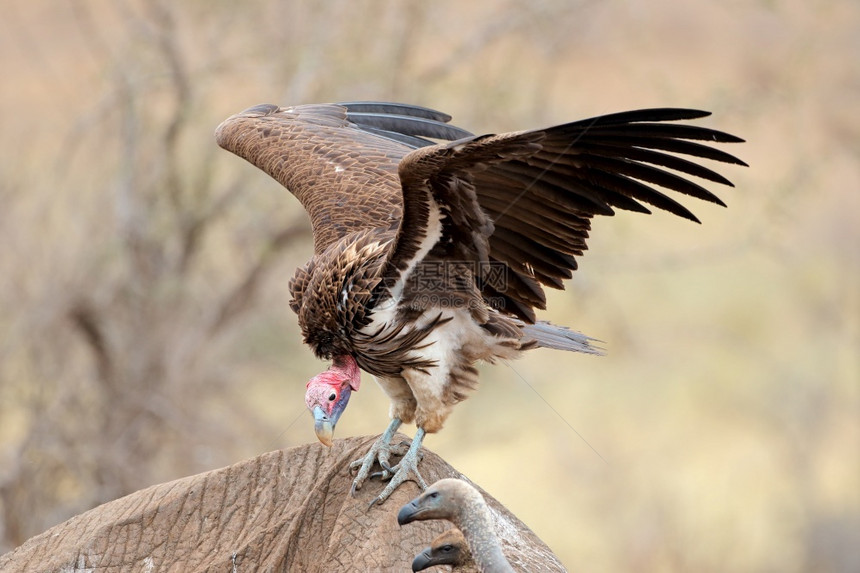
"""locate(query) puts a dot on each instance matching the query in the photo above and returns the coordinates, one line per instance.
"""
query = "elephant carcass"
(288, 510)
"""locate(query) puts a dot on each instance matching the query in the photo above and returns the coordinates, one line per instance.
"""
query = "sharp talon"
(405, 470)
(400, 449)
(379, 451)
(384, 474)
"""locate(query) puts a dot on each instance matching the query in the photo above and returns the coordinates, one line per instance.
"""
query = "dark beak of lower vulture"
(422, 561)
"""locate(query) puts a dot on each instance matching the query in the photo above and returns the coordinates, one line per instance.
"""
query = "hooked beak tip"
(406, 514)
(323, 427)
(324, 436)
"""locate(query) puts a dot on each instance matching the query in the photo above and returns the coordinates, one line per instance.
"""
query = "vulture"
(433, 246)
(449, 548)
(463, 505)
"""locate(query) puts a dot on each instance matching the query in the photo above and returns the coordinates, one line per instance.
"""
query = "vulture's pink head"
(328, 394)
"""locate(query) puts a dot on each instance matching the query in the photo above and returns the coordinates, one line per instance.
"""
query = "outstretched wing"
(339, 160)
(522, 202)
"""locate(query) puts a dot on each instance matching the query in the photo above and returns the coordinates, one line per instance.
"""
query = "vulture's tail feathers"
(547, 335)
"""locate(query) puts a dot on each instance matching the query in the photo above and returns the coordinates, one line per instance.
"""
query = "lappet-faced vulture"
(433, 246)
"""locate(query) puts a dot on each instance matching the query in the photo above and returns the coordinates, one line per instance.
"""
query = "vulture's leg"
(381, 450)
(406, 470)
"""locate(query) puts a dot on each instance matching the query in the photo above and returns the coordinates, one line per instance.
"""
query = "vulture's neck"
(348, 367)
(476, 523)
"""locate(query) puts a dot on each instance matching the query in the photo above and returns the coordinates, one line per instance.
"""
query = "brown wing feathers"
(540, 188)
(340, 161)
(522, 200)
(442, 175)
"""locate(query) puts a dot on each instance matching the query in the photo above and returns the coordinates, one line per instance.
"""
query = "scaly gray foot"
(399, 450)
(381, 450)
(406, 470)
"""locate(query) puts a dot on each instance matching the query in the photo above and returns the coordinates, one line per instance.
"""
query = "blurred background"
(144, 327)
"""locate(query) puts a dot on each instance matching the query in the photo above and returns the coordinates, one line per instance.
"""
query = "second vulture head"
(328, 394)
(449, 548)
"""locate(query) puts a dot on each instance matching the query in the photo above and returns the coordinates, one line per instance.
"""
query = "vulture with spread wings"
(432, 246)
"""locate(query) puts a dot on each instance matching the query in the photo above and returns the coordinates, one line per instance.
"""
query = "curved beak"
(407, 513)
(323, 427)
(423, 560)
